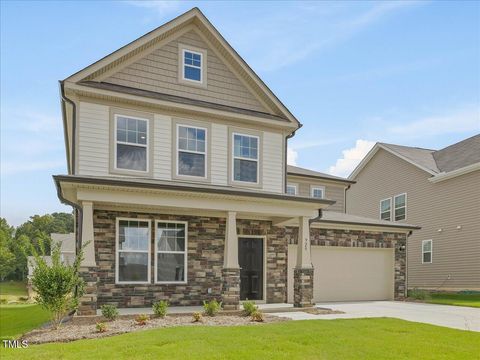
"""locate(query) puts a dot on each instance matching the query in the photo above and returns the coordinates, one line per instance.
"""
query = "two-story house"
(177, 171)
(438, 190)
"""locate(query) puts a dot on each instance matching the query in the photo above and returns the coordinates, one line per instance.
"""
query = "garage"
(348, 273)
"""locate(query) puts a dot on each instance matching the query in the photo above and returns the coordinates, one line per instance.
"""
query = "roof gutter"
(289, 136)
(65, 99)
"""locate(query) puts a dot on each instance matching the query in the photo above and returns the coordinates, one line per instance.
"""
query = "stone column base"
(88, 302)
(231, 289)
(303, 287)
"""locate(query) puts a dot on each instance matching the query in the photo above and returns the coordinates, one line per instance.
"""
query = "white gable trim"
(449, 175)
(372, 153)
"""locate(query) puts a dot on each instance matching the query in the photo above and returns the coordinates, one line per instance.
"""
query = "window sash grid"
(131, 143)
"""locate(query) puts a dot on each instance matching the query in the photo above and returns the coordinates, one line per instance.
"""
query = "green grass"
(16, 320)
(381, 338)
(457, 299)
(12, 290)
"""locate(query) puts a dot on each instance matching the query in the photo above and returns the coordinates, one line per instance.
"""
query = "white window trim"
(257, 160)
(295, 186)
(380, 209)
(200, 68)
(431, 251)
(117, 251)
(177, 140)
(146, 146)
(313, 188)
(172, 252)
(395, 210)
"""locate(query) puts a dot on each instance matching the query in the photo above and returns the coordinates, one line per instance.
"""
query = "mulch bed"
(84, 328)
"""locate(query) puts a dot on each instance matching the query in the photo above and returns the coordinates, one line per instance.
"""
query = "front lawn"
(457, 299)
(16, 320)
(12, 290)
(379, 338)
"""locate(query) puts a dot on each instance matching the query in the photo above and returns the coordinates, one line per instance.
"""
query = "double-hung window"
(386, 209)
(400, 210)
(426, 251)
(191, 151)
(192, 66)
(245, 158)
(318, 192)
(171, 252)
(291, 189)
(133, 251)
(131, 143)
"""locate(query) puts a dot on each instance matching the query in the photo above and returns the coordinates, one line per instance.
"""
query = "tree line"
(15, 241)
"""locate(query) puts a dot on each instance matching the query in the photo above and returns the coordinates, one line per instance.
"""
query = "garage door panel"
(348, 274)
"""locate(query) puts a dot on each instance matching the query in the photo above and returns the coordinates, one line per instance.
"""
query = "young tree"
(7, 257)
(58, 286)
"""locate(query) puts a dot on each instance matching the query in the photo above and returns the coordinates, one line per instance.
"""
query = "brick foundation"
(303, 287)
(231, 289)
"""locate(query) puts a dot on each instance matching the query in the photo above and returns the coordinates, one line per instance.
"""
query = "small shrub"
(418, 294)
(3, 301)
(23, 298)
(141, 319)
(257, 316)
(101, 327)
(160, 308)
(211, 307)
(197, 317)
(249, 307)
(110, 312)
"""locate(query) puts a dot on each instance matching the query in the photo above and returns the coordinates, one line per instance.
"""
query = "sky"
(353, 73)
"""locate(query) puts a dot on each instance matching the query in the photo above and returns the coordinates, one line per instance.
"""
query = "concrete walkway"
(456, 317)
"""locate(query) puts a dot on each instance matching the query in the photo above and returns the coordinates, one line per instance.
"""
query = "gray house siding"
(452, 206)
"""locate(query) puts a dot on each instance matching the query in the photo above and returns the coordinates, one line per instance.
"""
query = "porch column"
(88, 267)
(231, 269)
(303, 272)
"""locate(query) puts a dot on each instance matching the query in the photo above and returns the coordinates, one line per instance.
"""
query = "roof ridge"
(411, 147)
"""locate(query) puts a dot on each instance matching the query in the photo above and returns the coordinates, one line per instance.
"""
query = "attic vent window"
(192, 66)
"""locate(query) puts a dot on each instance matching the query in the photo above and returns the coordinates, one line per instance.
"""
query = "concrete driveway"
(456, 317)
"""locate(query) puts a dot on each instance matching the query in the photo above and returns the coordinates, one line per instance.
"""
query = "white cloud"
(292, 156)
(459, 121)
(351, 158)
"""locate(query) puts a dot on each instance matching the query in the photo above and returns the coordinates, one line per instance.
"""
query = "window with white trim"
(171, 252)
(291, 189)
(386, 209)
(133, 251)
(192, 65)
(245, 158)
(191, 151)
(400, 210)
(318, 192)
(131, 143)
(427, 250)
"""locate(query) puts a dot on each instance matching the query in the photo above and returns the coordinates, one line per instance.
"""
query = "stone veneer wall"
(358, 238)
(206, 236)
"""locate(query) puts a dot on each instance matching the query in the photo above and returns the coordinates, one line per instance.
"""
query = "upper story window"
(131, 143)
(245, 158)
(133, 251)
(427, 251)
(291, 189)
(318, 192)
(386, 209)
(191, 149)
(192, 65)
(400, 210)
(171, 252)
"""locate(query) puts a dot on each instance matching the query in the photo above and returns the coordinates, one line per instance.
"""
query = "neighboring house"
(67, 254)
(177, 172)
(438, 190)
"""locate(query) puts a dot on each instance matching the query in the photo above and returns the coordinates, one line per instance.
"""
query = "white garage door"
(347, 274)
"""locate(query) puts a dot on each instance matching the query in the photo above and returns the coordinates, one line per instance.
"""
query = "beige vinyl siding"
(158, 72)
(272, 157)
(333, 191)
(433, 206)
(93, 139)
(162, 147)
(219, 161)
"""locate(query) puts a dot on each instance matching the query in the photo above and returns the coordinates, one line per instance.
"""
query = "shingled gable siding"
(158, 72)
(356, 238)
(205, 261)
